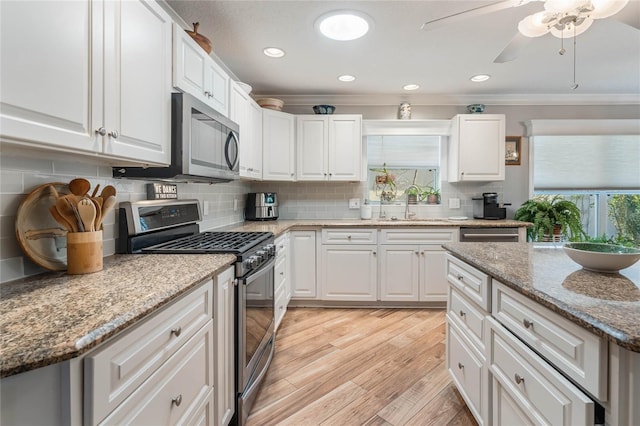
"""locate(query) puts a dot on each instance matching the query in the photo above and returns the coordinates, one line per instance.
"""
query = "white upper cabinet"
(196, 73)
(248, 115)
(88, 77)
(477, 147)
(278, 145)
(329, 147)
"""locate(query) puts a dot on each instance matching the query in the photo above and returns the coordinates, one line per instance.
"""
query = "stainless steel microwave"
(204, 146)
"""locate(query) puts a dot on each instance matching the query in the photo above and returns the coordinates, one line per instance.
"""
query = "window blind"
(586, 162)
(404, 151)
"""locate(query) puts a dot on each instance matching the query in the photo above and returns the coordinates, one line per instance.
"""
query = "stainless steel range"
(172, 227)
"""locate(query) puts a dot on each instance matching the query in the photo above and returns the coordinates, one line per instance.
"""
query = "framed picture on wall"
(512, 150)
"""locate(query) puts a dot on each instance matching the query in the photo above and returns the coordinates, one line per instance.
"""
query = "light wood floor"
(360, 367)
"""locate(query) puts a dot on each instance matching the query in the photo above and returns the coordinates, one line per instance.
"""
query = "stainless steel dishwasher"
(477, 235)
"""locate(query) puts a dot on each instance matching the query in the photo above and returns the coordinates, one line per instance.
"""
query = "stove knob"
(261, 254)
(251, 262)
(271, 249)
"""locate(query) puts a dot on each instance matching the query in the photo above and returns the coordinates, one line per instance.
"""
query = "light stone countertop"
(279, 226)
(606, 304)
(54, 317)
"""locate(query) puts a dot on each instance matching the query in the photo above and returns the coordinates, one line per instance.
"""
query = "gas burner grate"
(212, 242)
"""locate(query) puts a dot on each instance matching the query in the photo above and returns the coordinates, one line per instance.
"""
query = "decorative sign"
(162, 191)
(512, 150)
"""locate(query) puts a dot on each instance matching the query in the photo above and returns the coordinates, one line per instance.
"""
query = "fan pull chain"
(575, 85)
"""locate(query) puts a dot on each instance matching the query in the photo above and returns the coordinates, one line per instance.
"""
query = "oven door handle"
(260, 272)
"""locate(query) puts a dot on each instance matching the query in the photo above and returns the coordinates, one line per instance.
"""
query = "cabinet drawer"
(467, 369)
(419, 236)
(280, 274)
(470, 281)
(282, 245)
(530, 387)
(115, 370)
(280, 305)
(468, 317)
(176, 390)
(349, 236)
(577, 352)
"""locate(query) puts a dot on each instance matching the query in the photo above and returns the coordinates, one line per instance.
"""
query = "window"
(397, 162)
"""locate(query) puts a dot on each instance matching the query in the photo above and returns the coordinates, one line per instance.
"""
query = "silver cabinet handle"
(374, 253)
(527, 323)
(460, 366)
(208, 94)
(460, 278)
(519, 379)
(101, 131)
(114, 134)
(462, 313)
(177, 400)
(176, 331)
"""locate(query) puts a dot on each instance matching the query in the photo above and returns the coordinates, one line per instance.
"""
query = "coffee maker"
(487, 207)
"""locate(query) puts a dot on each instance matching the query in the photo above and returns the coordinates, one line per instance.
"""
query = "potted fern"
(552, 217)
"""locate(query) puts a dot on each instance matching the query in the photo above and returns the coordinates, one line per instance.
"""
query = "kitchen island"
(543, 338)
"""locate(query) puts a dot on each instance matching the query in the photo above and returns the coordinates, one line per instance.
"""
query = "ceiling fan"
(561, 18)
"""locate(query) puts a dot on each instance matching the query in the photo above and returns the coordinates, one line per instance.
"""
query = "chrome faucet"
(408, 214)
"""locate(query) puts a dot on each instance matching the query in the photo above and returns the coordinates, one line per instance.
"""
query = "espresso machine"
(487, 207)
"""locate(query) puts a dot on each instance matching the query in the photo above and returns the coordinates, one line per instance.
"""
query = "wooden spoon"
(65, 210)
(87, 211)
(97, 201)
(60, 219)
(107, 192)
(106, 208)
(79, 187)
(95, 191)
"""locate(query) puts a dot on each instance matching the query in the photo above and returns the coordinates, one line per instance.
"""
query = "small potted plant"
(414, 193)
(385, 177)
(552, 218)
(432, 195)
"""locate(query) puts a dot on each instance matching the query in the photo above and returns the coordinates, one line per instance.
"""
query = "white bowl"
(271, 103)
(244, 86)
(600, 257)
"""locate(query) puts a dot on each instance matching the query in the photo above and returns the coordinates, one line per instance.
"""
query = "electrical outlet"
(454, 203)
(235, 205)
(354, 203)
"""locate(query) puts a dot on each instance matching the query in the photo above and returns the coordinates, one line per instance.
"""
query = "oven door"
(255, 323)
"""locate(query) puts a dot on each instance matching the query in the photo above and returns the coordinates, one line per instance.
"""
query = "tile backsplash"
(298, 200)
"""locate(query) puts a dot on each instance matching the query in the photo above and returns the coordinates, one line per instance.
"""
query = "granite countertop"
(280, 226)
(54, 317)
(606, 304)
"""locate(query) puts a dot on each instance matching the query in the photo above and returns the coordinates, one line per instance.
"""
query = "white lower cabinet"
(302, 245)
(282, 289)
(224, 323)
(527, 390)
(349, 273)
(412, 264)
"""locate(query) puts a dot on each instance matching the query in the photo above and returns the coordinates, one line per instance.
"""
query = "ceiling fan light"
(606, 8)
(568, 30)
(533, 26)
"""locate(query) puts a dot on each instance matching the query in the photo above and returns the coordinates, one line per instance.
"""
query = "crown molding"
(443, 100)
(574, 127)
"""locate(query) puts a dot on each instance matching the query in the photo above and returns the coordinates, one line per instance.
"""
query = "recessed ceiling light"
(343, 25)
(273, 52)
(480, 77)
(346, 78)
(411, 87)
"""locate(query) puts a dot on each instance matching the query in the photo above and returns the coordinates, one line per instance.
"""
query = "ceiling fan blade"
(470, 13)
(630, 15)
(513, 49)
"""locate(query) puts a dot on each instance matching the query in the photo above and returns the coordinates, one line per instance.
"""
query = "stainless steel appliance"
(171, 227)
(261, 206)
(487, 207)
(204, 146)
(500, 235)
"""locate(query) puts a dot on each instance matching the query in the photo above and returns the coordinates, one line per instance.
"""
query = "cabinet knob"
(527, 323)
(291, 174)
(176, 331)
(374, 253)
(208, 94)
(462, 313)
(417, 252)
(101, 131)
(461, 366)
(460, 278)
(519, 379)
(114, 134)
(281, 273)
(177, 400)
(348, 237)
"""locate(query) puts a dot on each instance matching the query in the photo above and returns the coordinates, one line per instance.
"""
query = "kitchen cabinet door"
(137, 81)
(477, 148)
(88, 77)
(349, 272)
(278, 145)
(240, 113)
(329, 147)
(225, 355)
(399, 272)
(433, 274)
(302, 245)
(254, 163)
(196, 73)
